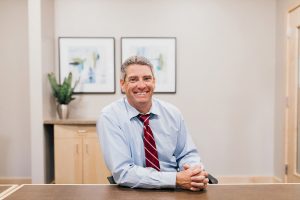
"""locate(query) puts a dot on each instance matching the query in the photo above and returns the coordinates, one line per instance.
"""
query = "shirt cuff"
(168, 179)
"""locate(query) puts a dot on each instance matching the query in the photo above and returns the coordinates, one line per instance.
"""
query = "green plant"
(62, 92)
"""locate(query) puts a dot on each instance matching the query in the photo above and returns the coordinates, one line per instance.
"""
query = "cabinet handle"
(87, 148)
(77, 148)
(82, 131)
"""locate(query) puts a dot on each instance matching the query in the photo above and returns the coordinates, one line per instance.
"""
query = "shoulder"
(166, 107)
(113, 106)
(113, 109)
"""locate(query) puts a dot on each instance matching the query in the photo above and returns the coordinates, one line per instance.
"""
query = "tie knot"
(144, 118)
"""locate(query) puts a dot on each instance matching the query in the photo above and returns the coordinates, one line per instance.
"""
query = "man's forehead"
(136, 75)
(138, 70)
(138, 66)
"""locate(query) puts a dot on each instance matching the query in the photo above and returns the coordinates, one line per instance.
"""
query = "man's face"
(138, 85)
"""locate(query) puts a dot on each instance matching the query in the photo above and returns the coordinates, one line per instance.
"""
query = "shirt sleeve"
(116, 150)
(186, 151)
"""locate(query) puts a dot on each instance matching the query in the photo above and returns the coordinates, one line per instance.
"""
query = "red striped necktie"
(149, 144)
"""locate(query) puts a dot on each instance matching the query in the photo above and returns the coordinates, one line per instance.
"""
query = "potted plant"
(63, 93)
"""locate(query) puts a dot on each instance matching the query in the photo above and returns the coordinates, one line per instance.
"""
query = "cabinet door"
(67, 154)
(94, 169)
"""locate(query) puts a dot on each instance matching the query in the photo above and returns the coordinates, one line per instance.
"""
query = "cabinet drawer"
(66, 131)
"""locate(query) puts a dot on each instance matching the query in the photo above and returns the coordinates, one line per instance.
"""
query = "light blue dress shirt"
(121, 137)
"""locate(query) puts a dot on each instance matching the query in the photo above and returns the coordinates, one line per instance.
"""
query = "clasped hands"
(192, 178)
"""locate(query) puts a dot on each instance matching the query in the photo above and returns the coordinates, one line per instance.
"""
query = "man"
(144, 140)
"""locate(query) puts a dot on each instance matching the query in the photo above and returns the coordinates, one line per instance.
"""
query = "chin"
(144, 100)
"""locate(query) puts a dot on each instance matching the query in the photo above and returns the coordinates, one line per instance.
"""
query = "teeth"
(141, 93)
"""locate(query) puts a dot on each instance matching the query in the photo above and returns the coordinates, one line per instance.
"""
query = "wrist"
(168, 179)
(179, 179)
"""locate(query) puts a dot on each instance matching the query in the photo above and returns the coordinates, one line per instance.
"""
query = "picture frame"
(91, 61)
(161, 51)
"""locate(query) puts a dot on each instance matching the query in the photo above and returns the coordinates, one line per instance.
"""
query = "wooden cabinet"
(77, 155)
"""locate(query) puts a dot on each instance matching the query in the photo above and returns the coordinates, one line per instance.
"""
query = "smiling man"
(144, 140)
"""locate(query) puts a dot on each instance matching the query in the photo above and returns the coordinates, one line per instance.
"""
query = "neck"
(143, 110)
(142, 107)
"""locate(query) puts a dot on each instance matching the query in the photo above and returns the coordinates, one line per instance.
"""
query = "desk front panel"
(114, 192)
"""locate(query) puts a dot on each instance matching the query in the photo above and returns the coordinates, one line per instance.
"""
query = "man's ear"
(122, 84)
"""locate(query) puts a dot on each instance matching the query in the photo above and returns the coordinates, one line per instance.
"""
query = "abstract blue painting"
(91, 60)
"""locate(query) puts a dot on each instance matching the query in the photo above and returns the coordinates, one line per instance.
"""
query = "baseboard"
(15, 180)
(248, 179)
(278, 180)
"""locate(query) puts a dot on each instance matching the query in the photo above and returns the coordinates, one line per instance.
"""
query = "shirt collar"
(154, 108)
(132, 112)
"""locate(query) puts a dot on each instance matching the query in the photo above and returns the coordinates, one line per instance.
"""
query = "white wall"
(14, 87)
(225, 69)
(48, 56)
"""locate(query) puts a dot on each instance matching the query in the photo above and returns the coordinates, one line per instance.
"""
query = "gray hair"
(139, 60)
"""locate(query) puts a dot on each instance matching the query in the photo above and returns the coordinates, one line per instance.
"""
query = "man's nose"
(141, 84)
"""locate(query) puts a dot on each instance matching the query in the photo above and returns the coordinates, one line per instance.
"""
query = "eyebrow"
(147, 76)
(132, 77)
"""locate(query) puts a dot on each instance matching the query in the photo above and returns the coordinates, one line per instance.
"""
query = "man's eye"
(147, 79)
(132, 80)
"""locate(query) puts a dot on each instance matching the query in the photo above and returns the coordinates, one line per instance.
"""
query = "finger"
(205, 181)
(186, 166)
(200, 187)
(204, 173)
(195, 189)
(197, 185)
(196, 171)
(198, 178)
(205, 186)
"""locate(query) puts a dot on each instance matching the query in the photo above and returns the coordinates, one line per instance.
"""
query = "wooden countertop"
(114, 192)
(70, 121)
(4, 187)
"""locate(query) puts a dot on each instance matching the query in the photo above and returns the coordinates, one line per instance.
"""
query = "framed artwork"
(161, 51)
(91, 60)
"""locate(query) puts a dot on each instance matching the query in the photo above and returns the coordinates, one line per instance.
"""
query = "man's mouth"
(141, 94)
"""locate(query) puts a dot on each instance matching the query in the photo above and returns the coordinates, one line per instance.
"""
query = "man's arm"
(192, 175)
(186, 151)
(116, 150)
